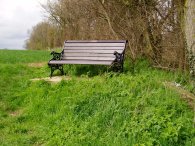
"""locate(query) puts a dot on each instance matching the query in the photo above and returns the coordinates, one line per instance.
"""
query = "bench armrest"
(56, 56)
(119, 57)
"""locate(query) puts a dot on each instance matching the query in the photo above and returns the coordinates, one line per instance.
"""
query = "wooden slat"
(89, 58)
(95, 41)
(67, 54)
(94, 48)
(81, 62)
(92, 51)
(95, 44)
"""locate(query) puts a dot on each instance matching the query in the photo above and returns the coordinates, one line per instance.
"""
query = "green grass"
(105, 109)
(18, 56)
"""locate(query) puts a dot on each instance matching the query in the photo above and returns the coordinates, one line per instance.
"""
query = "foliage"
(89, 109)
(44, 36)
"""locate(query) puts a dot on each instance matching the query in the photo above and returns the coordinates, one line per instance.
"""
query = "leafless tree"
(154, 28)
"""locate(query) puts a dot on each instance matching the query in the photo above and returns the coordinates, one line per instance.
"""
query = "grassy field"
(94, 107)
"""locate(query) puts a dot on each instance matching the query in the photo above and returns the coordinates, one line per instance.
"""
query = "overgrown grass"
(95, 107)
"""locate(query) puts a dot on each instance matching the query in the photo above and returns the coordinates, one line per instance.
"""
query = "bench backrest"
(95, 50)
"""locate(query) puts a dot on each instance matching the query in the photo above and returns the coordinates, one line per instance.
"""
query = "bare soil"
(37, 64)
(16, 113)
(56, 79)
(186, 95)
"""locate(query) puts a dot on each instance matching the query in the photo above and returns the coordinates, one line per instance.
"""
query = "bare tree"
(153, 27)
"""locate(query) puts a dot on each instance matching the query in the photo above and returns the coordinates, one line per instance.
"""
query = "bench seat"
(87, 62)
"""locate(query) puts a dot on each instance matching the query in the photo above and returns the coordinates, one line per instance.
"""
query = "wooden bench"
(96, 52)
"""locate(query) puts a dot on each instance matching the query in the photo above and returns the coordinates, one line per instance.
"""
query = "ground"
(90, 106)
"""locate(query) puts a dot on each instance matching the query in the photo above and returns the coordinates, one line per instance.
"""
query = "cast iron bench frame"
(100, 52)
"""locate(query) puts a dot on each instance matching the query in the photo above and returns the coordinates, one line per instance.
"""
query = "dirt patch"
(16, 113)
(56, 79)
(186, 95)
(37, 64)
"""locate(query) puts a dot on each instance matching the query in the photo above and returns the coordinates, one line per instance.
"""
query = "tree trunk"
(189, 28)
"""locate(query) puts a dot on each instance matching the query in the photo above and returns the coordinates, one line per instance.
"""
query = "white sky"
(16, 18)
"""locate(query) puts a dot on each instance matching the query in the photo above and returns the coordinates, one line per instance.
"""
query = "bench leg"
(61, 70)
(118, 63)
(121, 70)
(117, 67)
(52, 70)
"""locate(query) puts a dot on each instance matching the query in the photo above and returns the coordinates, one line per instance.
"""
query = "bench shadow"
(88, 70)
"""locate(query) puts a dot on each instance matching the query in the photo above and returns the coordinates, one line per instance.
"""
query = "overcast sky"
(16, 18)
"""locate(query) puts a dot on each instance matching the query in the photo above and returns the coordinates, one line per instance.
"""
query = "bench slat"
(83, 54)
(80, 62)
(89, 58)
(92, 51)
(94, 48)
(95, 41)
(95, 44)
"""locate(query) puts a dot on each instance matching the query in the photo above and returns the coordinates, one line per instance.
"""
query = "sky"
(17, 17)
